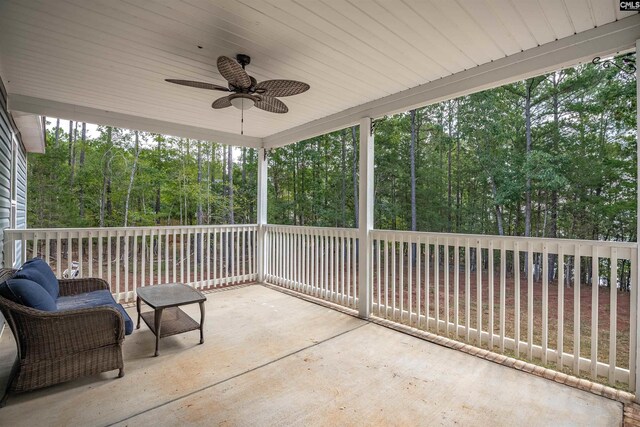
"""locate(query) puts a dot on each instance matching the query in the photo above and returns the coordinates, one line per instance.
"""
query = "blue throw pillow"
(37, 270)
(28, 293)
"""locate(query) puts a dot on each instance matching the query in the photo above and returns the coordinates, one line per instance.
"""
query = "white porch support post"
(636, 298)
(262, 214)
(366, 218)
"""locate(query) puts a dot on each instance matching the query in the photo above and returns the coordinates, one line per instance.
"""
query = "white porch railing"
(321, 262)
(429, 281)
(130, 257)
(545, 300)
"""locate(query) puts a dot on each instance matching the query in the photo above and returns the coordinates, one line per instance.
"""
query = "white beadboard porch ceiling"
(109, 58)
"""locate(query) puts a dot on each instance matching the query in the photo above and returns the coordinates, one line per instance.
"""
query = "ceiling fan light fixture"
(242, 103)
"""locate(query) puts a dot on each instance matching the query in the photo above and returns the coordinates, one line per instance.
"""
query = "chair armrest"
(70, 287)
(47, 335)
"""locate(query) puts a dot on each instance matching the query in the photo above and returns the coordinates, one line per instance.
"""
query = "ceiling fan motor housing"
(243, 59)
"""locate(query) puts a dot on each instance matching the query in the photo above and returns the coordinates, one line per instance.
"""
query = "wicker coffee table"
(167, 318)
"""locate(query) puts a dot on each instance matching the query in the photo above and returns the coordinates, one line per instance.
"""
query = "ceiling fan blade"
(272, 105)
(233, 72)
(199, 85)
(223, 102)
(282, 87)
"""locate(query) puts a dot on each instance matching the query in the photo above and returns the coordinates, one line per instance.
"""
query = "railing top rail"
(519, 239)
(304, 227)
(103, 229)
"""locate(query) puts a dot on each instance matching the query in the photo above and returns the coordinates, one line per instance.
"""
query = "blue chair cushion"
(94, 299)
(27, 293)
(38, 270)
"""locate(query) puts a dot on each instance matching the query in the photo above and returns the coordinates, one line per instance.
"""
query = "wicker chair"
(54, 347)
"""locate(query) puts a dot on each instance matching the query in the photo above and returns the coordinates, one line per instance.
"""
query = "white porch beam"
(262, 213)
(583, 47)
(365, 209)
(46, 107)
(635, 287)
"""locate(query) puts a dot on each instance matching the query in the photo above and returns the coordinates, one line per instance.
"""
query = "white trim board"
(608, 39)
(47, 107)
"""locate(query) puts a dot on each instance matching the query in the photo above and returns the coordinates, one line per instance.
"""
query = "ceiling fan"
(246, 92)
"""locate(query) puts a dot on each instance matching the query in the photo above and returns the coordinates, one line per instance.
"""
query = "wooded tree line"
(124, 177)
(551, 156)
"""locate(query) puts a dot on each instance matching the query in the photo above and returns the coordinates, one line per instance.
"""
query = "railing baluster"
(595, 278)
(561, 279)
(236, 259)
(427, 284)
(446, 285)
(159, 257)
(143, 255)
(109, 261)
(166, 255)
(135, 263)
(490, 293)
(418, 281)
(529, 301)
(90, 241)
(503, 291)
(216, 258)
(47, 247)
(188, 249)
(467, 290)
(393, 279)
(100, 255)
(436, 283)
(58, 254)
(517, 284)
(576, 310)
(80, 254)
(151, 253)
(118, 284)
(354, 271)
(545, 302)
(401, 243)
(126, 265)
(69, 251)
(456, 289)
(478, 292)
(613, 316)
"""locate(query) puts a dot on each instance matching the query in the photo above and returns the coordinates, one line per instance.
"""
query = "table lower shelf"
(174, 321)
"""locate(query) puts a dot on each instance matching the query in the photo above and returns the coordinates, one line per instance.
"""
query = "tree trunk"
(230, 183)
(494, 192)
(449, 183)
(458, 190)
(57, 142)
(527, 118)
(82, 156)
(354, 174)
(556, 141)
(158, 183)
(131, 177)
(199, 180)
(343, 193)
(105, 168)
(412, 160)
(70, 140)
(72, 154)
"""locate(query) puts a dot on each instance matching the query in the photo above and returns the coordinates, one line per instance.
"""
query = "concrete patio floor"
(273, 359)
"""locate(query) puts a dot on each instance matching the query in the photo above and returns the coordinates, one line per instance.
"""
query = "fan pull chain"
(242, 119)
